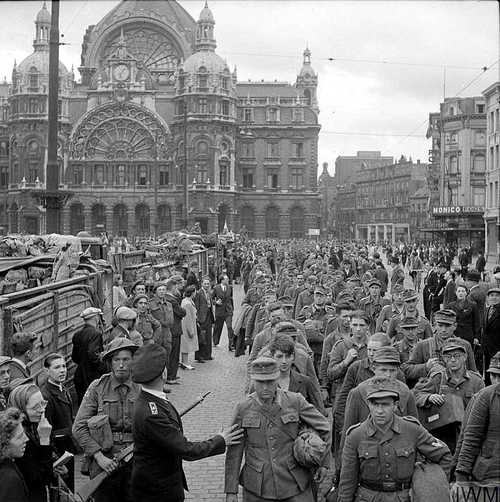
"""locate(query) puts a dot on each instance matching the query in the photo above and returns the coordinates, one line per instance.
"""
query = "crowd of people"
(360, 360)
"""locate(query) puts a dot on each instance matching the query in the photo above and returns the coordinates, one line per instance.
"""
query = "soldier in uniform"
(373, 303)
(455, 380)
(424, 328)
(427, 353)
(408, 328)
(159, 442)
(147, 325)
(389, 311)
(270, 417)
(305, 297)
(380, 453)
(385, 364)
(103, 424)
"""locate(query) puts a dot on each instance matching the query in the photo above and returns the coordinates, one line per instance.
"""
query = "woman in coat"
(36, 464)
(12, 446)
(189, 338)
(468, 320)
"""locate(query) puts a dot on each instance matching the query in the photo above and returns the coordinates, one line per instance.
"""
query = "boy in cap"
(379, 455)
(87, 348)
(4, 381)
(113, 396)
(159, 442)
(373, 303)
(270, 417)
(410, 300)
(456, 380)
(427, 353)
(389, 311)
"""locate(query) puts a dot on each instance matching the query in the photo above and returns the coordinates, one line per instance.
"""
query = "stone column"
(393, 234)
(108, 219)
(385, 232)
(65, 215)
(231, 170)
(131, 222)
(87, 216)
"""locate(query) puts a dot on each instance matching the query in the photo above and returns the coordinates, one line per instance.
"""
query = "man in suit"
(491, 332)
(159, 441)
(450, 289)
(222, 297)
(205, 320)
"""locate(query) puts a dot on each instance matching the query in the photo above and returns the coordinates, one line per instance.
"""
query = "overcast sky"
(387, 73)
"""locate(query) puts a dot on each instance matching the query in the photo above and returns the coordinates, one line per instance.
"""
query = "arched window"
(479, 164)
(120, 175)
(164, 219)
(76, 218)
(120, 220)
(98, 219)
(272, 222)
(297, 218)
(307, 96)
(142, 225)
(247, 220)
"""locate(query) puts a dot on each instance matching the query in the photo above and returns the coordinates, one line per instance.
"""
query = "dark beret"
(148, 363)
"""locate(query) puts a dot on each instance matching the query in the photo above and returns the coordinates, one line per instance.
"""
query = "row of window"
(202, 81)
(273, 114)
(478, 164)
(478, 195)
(297, 150)
(494, 120)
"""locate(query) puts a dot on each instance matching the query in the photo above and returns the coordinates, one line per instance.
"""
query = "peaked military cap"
(374, 282)
(382, 387)
(453, 343)
(286, 327)
(138, 298)
(398, 288)
(286, 301)
(264, 368)
(494, 364)
(4, 360)
(446, 316)
(387, 355)
(409, 294)
(493, 290)
(473, 275)
(320, 289)
(408, 322)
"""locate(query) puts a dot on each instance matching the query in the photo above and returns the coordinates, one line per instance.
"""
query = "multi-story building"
(328, 191)
(348, 166)
(492, 209)
(458, 135)
(383, 206)
(155, 100)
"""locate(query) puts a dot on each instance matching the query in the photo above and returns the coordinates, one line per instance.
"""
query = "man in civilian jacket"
(205, 320)
(222, 297)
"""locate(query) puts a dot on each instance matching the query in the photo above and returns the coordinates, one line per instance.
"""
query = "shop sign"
(456, 210)
(313, 232)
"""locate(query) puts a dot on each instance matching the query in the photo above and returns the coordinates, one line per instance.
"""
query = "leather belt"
(123, 437)
(386, 486)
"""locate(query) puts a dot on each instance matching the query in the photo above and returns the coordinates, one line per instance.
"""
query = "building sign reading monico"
(456, 210)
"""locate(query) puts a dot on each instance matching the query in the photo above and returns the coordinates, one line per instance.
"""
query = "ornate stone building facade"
(156, 99)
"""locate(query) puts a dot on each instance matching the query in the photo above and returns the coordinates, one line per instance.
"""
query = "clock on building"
(121, 72)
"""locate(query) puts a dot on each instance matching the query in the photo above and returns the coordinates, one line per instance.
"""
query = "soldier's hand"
(320, 475)
(105, 463)
(324, 395)
(232, 435)
(231, 497)
(460, 477)
(431, 362)
(436, 399)
(351, 355)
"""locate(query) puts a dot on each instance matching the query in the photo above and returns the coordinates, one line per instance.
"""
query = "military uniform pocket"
(405, 461)
(252, 476)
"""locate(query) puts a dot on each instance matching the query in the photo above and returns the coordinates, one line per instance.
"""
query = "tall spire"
(205, 38)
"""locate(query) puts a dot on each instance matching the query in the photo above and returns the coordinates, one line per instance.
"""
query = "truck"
(51, 311)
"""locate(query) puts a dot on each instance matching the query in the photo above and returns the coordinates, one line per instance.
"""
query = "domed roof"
(206, 14)
(44, 15)
(39, 60)
(207, 59)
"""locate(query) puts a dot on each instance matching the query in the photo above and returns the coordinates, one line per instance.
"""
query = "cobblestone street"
(224, 377)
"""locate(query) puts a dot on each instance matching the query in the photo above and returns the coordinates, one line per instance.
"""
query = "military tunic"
(376, 459)
(270, 470)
